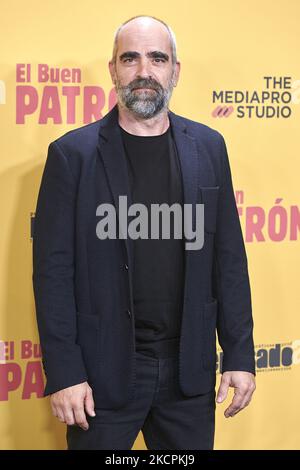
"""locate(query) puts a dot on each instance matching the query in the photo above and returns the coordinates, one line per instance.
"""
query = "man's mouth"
(143, 88)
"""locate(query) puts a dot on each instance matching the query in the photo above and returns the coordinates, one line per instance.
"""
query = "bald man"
(128, 324)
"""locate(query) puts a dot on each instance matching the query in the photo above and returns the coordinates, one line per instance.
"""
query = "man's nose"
(143, 68)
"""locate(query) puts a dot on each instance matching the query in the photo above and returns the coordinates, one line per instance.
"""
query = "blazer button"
(126, 266)
(128, 312)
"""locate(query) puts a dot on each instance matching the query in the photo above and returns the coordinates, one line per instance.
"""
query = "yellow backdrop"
(240, 75)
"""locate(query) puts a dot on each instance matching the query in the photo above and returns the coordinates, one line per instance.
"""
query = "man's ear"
(176, 73)
(112, 71)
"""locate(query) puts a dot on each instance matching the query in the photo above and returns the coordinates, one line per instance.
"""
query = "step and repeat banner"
(240, 74)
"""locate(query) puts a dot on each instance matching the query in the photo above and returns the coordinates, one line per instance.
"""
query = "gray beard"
(144, 104)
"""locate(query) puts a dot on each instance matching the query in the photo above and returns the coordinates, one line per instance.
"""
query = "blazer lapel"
(111, 150)
(187, 153)
(195, 163)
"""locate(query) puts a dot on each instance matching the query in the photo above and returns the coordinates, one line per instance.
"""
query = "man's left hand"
(244, 386)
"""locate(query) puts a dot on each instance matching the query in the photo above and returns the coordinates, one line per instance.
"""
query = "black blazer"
(83, 285)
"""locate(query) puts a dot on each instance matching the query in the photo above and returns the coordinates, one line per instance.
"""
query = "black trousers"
(167, 419)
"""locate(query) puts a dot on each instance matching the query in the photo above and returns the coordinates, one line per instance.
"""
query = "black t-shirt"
(158, 271)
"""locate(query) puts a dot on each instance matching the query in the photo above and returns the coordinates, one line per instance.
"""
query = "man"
(128, 325)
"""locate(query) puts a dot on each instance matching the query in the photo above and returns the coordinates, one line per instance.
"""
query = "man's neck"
(143, 127)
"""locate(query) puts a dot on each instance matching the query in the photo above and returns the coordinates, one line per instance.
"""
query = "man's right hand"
(69, 404)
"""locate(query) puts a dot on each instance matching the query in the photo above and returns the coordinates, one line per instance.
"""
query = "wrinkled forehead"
(144, 37)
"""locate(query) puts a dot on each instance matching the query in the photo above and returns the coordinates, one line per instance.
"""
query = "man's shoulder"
(197, 128)
(86, 136)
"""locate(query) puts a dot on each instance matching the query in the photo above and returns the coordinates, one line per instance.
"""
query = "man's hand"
(244, 386)
(68, 404)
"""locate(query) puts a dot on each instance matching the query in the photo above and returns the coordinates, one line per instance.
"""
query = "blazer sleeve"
(231, 280)
(53, 274)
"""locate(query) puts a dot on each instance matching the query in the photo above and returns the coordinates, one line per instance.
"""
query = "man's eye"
(128, 58)
(157, 59)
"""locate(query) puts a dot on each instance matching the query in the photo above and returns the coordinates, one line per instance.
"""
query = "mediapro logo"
(275, 99)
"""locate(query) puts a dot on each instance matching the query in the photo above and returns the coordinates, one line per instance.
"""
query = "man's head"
(144, 65)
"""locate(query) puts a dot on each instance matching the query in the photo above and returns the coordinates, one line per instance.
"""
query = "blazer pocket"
(209, 334)
(88, 337)
(209, 197)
